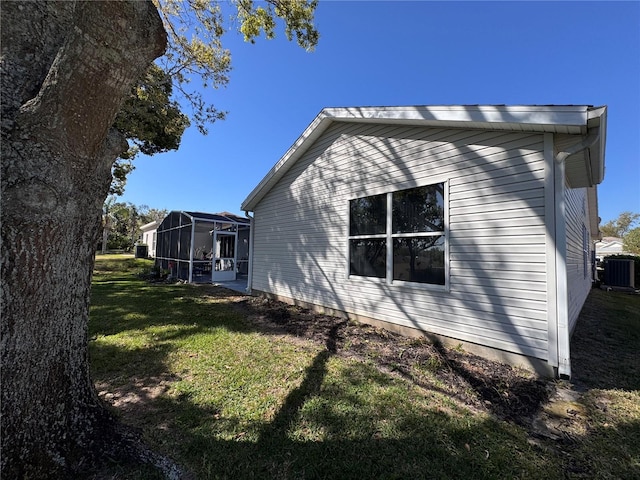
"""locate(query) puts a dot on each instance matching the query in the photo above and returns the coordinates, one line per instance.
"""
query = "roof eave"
(310, 134)
(571, 119)
(598, 119)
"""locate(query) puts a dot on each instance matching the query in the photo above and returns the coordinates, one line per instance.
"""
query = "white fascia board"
(539, 118)
(310, 134)
(598, 119)
(150, 226)
(487, 115)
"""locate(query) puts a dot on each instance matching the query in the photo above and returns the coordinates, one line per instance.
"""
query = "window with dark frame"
(367, 233)
(412, 223)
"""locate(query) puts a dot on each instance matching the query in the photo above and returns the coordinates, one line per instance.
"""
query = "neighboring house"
(149, 236)
(473, 223)
(203, 247)
(609, 246)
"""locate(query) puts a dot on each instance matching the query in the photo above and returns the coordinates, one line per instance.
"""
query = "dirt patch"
(136, 393)
(506, 392)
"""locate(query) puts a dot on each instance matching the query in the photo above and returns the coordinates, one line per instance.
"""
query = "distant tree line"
(121, 222)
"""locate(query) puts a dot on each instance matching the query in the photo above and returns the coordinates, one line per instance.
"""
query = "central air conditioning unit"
(619, 272)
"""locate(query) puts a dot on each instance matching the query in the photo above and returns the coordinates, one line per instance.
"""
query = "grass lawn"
(230, 397)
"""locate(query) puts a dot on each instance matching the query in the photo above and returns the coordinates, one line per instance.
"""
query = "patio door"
(224, 259)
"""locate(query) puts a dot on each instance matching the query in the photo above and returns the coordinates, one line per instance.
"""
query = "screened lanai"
(203, 247)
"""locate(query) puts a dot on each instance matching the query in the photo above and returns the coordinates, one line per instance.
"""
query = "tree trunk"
(105, 237)
(66, 67)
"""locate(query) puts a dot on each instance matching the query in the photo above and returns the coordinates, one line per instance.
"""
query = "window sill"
(398, 284)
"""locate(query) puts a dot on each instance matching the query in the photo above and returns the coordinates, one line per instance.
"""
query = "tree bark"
(66, 67)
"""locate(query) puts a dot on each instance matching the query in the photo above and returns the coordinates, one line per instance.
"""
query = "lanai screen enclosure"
(203, 247)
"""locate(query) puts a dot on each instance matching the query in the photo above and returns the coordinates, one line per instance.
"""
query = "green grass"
(227, 400)
(606, 359)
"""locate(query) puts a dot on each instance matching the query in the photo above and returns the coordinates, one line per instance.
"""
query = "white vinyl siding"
(149, 238)
(577, 218)
(496, 230)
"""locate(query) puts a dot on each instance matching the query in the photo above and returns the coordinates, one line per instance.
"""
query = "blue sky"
(408, 53)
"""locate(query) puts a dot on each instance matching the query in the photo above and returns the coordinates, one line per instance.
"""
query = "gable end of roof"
(557, 119)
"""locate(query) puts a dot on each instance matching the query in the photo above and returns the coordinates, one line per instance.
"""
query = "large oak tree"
(66, 69)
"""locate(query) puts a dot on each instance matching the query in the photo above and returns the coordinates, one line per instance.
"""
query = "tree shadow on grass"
(506, 392)
(311, 385)
(118, 307)
(324, 428)
(327, 427)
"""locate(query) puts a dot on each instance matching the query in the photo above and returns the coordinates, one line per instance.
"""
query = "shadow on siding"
(304, 221)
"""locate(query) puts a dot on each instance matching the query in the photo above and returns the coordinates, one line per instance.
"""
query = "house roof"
(609, 245)
(609, 241)
(218, 217)
(150, 226)
(584, 166)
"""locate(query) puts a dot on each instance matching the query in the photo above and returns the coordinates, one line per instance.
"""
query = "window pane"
(419, 259)
(419, 209)
(368, 257)
(368, 215)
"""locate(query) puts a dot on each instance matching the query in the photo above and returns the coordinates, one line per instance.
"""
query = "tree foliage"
(621, 225)
(632, 241)
(151, 118)
(122, 167)
(123, 226)
(148, 215)
(121, 222)
(297, 15)
(195, 49)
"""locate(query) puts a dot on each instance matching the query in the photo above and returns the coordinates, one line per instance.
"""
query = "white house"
(609, 246)
(149, 236)
(473, 223)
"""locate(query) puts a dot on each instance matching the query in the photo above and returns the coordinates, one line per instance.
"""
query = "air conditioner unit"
(619, 272)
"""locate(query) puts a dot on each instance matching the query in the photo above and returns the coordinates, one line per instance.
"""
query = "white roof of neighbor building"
(584, 168)
(610, 240)
(217, 217)
(150, 226)
(610, 245)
